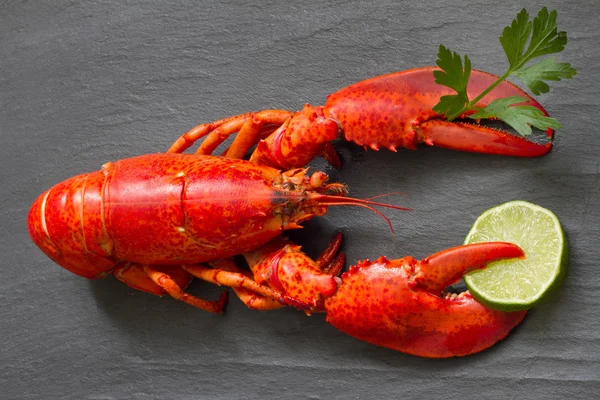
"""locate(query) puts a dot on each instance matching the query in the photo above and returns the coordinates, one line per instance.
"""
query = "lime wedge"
(512, 285)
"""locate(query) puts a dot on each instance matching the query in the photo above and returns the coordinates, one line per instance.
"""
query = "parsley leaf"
(547, 69)
(545, 39)
(454, 76)
(521, 118)
(522, 41)
(515, 37)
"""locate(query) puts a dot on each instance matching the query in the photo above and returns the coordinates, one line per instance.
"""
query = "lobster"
(152, 221)
(390, 111)
(144, 219)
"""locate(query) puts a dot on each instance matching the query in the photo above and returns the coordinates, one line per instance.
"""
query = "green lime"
(512, 285)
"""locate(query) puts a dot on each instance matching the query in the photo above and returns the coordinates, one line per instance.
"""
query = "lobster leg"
(262, 294)
(331, 260)
(155, 280)
(248, 135)
(172, 288)
(218, 131)
(220, 134)
(186, 140)
(397, 303)
(239, 280)
(335, 266)
(250, 298)
(331, 155)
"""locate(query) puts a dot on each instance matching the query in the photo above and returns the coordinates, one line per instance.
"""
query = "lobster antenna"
(329, 200)
(386, 194)
(332, 199)
(376, 211)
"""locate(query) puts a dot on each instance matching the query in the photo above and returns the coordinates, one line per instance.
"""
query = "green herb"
(521, 118)
(522, 41)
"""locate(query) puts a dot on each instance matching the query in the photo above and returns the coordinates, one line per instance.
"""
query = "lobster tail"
(66, 223)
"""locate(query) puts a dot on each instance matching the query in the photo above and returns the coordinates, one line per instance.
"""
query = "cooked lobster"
(152, 220)
(143, 218)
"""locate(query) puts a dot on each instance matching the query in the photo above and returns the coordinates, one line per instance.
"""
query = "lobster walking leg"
(250, 298)
(170, 286)
(248, 135)
(218, 131)
(239, 280)
(331, 260)
(186, 140)
(170, 280)
(220, 134)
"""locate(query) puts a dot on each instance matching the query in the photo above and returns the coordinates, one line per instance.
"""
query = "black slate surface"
(82, 83)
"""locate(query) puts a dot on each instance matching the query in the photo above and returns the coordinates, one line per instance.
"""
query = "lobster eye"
(289, 209)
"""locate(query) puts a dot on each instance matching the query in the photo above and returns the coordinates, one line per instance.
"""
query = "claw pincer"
(399, 303)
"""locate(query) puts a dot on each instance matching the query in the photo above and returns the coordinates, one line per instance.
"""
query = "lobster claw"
(475, 138)
(398, 303)
(396, 110)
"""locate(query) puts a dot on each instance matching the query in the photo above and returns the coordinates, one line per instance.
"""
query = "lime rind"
(512, 285)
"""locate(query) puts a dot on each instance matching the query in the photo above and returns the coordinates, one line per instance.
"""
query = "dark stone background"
(85, 82)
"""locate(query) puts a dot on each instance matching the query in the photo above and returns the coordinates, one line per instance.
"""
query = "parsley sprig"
(522, 41)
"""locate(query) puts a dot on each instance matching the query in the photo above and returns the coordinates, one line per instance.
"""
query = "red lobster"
(152, 220)
(388, 111)
(145, 219)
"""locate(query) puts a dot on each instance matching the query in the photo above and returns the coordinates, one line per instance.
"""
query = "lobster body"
(167, 209)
